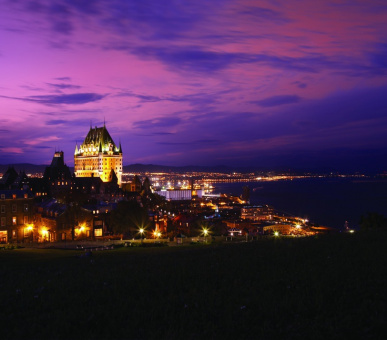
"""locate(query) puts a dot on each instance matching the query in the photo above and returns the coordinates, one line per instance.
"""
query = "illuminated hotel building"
(98, 156)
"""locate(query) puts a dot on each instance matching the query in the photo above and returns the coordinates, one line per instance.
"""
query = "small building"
(60, 222)
(16, 215)
(180, 194)
(257, 213)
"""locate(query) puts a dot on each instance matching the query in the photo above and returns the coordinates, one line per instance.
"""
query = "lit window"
(25, 207)
(14, 220)
(98, 232)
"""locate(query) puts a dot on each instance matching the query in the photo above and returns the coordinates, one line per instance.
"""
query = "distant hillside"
(135, 168)
(141, 168)
(27, 167)
(34, 168)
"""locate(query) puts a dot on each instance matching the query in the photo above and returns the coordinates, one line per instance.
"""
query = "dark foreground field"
(321, 288)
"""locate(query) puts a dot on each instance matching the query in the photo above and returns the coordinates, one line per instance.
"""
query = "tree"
(373, 220)
(128, 218)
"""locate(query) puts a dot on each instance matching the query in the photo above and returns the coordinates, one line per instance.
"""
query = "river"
(326, 201)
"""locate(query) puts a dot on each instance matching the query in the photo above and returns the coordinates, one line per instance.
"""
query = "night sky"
(297, 84)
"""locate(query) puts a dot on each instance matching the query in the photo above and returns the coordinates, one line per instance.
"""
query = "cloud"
(194, 142)
(378, 57)
(70, 99)
(191, 58)
(143, 98)
(56, 122)
(300, 84)
(42, 147)
(64, 86)
(63, 78)
(162, 133)
(264, 14)
(277, 100)
(198, 59)
(160, 122)
(32, 88)
(194, 98)
(35, 141)
(64, 27)
(11, 150)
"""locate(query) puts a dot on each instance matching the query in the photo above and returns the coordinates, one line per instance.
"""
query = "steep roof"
(9, 177)
(99, 136)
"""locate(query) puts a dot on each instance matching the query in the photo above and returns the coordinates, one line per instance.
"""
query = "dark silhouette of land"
(330, 286)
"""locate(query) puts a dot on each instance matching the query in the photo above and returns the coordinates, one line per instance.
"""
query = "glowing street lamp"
(276, 233)
(141, 231)
(156, 234)
(29, 229)
(45, 234)
(205, 233)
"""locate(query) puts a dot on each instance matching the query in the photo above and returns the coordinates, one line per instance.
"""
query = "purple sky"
(241, 83)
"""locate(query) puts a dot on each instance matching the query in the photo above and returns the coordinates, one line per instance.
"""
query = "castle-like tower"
(98, 156)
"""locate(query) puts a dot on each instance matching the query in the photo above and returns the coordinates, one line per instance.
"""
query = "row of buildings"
(52, 208)
(63, 206)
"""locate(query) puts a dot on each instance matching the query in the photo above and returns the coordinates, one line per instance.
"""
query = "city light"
(276, 233)
(29, 227)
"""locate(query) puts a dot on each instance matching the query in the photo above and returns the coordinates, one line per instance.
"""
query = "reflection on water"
(325, 201)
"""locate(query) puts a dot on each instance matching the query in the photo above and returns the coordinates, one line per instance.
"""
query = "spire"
(120, 150)
(76, 149)
(113, 177)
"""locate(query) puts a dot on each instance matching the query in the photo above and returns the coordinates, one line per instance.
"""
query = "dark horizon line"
(226, 168)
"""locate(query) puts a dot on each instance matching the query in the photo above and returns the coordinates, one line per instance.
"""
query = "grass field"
(326, 287)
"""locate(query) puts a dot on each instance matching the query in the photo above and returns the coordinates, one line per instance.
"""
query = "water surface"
(326, 201)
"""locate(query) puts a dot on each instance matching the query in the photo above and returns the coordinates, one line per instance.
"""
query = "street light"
(156, 235)
(30, 230)
(205, 232)
(141, 231)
